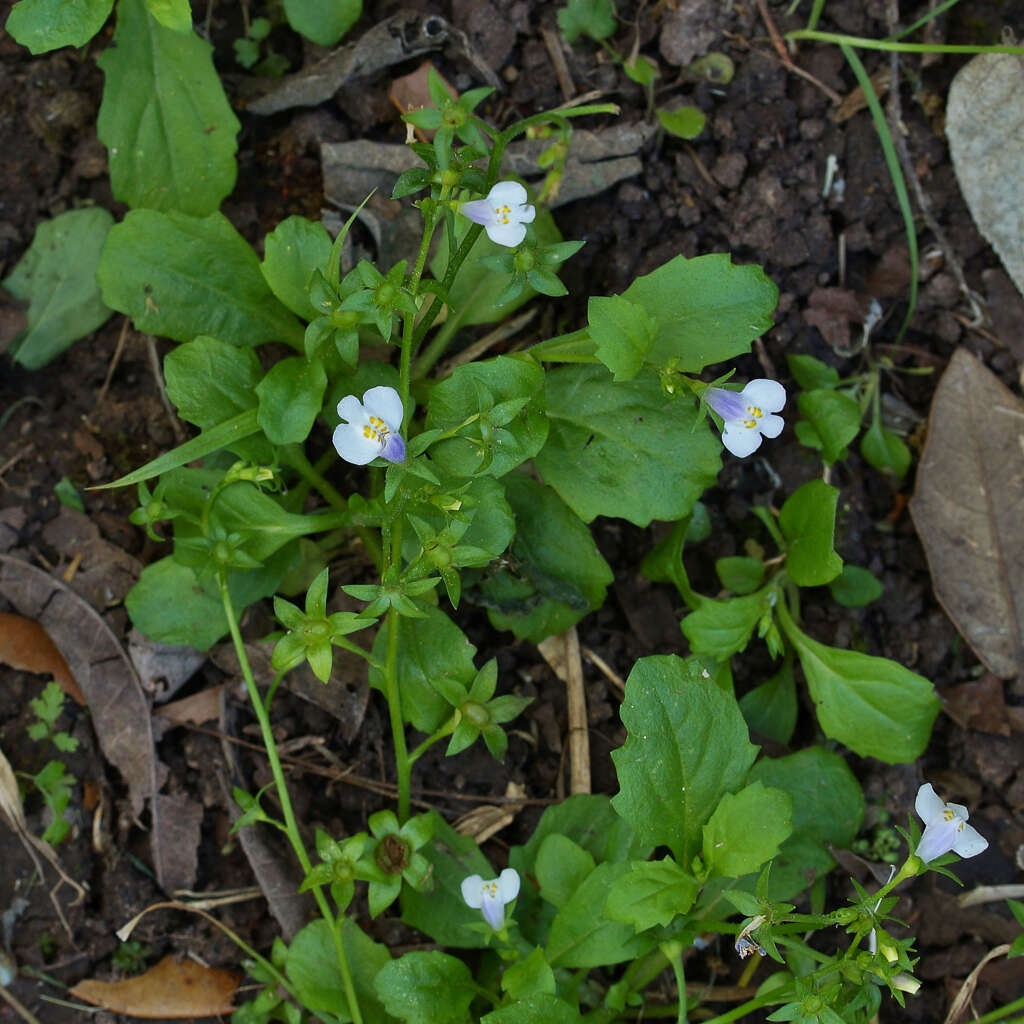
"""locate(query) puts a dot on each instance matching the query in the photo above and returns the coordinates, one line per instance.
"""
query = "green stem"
(295, 457)
(741, 1011)
(403, 765)
(446, 730)
(1002, 1012)
(884, 44)
(291, 825)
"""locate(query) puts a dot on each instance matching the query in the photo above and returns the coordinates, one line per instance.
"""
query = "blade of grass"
(884, 44)
(895, 172)
(921, 21)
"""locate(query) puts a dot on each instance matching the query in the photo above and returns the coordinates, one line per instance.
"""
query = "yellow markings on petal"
(502, 213)
(376, 430)
(491, 888)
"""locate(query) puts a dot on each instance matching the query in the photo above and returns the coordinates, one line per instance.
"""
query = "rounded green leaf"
(292, 251)
(291, 396)
(44, 25)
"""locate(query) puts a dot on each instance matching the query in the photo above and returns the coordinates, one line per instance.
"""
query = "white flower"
(503, 213)
(372, 429)
(492, 897)
(945, 827)
(748, 414)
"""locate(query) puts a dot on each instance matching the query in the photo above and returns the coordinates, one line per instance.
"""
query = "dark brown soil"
(751, 184)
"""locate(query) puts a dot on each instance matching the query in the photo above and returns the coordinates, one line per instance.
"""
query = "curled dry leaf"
(967, 510)
(171, 989)
(120, 711)
(26, 646)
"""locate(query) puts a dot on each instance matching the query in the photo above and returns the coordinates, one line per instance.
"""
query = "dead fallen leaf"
(26, 646)
(410, 92)
(967, 510)
(163, 668)
(120, 711)
(173, 988)
(832, 310)
(981, 705)
(195, 710)
(985, 123)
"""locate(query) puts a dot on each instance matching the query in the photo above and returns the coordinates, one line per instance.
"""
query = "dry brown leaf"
(967, 509)
(173, 988)
(981, 705)
(120, 711)
(26, 646)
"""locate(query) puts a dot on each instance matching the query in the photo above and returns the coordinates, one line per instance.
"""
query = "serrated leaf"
(593, 18)
(687, 746)
(180, 277)
(625, 449)
(57, 277)
(746, 830)
(623, 334)
(44, 25)
(166, 123)
(723, 628)
(652, 894)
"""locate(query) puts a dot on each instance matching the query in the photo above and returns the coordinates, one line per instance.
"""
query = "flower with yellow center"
(945, 827)
(373, 427)
(748, 414)
(491, 897)
(503, 213)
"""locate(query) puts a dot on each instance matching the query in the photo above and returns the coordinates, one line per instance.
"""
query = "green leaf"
(561, 867)
(828, 809)
(582, 935)
(538, 1006)
(180, 277)
(808, 522)
(812, 374)
(504, 396)
(57, 277)
(292, 251)
(224, 435)
(739, 574)
(173, 14)
(426, 988)
(855, 587)
(875, 706)
(311, 965)
(623, 333)
(429, 648)
(555, 574)
(723, 628)
(322, 21)
(885, 451)
(166, 123)
(291, 396)
(652, 894)
(687, 746)
(835, 418)
(170, 604)
(771, 708)
(210, 381)
(746, 830)
(68, 495)
(684, 122)
(530, 975)
(707, 309)
(593, 18)
(44, 25)
(625, 449)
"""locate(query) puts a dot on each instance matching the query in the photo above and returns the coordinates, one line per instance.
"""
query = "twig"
(606, 670)
(562, 653)
(495, 337)
(154, 365)
(894, 114)
(113, 364)
(19, 1007)
(990, 894)
(553, 44)
(780, 48)
(963, 997)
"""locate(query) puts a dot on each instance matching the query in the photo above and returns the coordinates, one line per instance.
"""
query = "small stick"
(19, 1007)
(553, 44)
(780, 48)
(606, 670)
(154, 365)
(118, 351)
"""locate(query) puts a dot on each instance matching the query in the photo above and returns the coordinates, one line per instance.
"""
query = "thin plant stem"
(1002, 1012)
(403, 764)
(860, 43)
(291, 825)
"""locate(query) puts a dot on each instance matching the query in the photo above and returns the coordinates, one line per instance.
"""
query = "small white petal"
(969, 842)
(509, 235)
(928, 803)
(493, 910)
(507, 193)
(527, 214)
(728, 404)
(741, 440)
(508, 885)
(479, 211)
(938, 838)
(352, 446)
(959, 810)
(385, 403)
(351, 409)
(473, 891)
(771, 425)
(768, 395)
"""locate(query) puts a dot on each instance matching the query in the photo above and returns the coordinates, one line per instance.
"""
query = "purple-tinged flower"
(748, 414)
(503, 213)
(945, 827)
(373, 427)
(491, 897)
